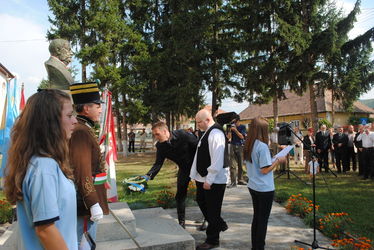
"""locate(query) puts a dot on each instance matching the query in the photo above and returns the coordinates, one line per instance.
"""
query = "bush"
(324, 121)
(333, 225)
(6, 211)
(165, 199)
(299, 205)
(191, 190)
(352, 244)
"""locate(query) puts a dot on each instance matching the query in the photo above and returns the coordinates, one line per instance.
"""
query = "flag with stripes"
(107, 140)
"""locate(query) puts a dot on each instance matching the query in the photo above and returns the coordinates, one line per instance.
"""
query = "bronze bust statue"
(58, 73)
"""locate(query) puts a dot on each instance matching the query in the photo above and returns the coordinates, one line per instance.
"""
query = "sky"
(24, 47)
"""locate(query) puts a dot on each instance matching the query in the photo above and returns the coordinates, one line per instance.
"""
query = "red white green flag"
(107, 141)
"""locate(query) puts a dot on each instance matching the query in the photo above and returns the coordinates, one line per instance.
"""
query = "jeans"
(262, 203)
(91, 228)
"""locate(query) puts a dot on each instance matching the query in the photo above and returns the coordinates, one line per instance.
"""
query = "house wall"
(339, 119)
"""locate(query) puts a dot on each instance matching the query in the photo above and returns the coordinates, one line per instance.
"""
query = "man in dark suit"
(340, 142)
(323, 144)
(358, 145)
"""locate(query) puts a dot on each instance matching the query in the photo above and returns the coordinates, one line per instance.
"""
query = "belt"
(368, 148)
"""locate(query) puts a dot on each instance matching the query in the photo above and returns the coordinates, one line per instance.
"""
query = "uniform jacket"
(86, 161)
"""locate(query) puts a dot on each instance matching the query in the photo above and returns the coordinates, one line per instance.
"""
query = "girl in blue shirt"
(261, 182)
(39, 178)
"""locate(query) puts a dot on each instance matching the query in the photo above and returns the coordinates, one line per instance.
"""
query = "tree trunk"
(215, 83)
(275, 109)
(118, 112)
(332, 108)
(313, 106)
(125, 150)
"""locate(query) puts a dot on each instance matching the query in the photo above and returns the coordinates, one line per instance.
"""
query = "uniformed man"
(86, 159)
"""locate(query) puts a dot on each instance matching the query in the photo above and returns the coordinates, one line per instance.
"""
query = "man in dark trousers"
(236, 136)
(178, 146)
(210, 173)
(340, 142)
(323, 144)
(358, 145)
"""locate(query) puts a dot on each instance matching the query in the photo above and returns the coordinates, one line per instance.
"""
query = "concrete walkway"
(237, 211)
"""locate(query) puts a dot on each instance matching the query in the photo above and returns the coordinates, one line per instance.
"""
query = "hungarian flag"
(22, 102)
(107, 141)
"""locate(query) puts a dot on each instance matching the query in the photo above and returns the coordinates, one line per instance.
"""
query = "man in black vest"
(323, 144)
(178, 146)
(210, 173)
(340, 142)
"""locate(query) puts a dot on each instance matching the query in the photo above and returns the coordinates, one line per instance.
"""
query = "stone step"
(156, 230)
(109, 229)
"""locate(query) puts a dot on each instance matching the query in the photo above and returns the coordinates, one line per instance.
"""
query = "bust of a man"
(58, 73)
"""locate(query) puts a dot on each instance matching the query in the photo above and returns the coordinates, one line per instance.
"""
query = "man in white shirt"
(209, 170)
(367, 138)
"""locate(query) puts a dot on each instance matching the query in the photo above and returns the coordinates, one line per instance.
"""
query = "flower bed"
(332, 225)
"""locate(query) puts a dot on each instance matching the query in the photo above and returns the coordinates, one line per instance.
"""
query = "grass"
(140, 165)
(344, 193)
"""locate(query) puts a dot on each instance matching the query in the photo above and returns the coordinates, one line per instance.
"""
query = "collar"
(87, 121)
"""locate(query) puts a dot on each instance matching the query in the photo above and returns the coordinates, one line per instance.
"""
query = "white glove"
(96, 212)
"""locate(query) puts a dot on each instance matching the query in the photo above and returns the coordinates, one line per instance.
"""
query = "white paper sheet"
(282, 153)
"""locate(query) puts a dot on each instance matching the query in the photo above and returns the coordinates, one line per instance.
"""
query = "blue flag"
(11, 114)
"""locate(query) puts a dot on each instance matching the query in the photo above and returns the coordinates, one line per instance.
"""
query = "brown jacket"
(86, 160)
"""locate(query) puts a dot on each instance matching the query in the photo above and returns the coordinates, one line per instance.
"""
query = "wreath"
(134, 184)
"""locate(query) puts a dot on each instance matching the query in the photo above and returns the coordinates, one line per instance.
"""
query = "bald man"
(209, 170)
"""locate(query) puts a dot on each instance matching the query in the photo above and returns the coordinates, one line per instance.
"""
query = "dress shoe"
(224, 227)
(242, 183)
(182, 223)
(206, 246)
(203, 226)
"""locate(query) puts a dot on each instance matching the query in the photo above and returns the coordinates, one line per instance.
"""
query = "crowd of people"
(337, 148)
(56, 175)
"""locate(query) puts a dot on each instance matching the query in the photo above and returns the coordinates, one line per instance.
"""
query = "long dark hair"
(37, 131)
(258, 130)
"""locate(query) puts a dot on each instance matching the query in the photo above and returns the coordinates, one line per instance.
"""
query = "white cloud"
(23, 50)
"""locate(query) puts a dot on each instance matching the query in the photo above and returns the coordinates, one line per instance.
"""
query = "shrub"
(165, 199)
(333, 225)
(6, 211)
(299, 205)
(352, 244)
(191, 190)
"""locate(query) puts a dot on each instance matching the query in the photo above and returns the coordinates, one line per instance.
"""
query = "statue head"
(61, 49)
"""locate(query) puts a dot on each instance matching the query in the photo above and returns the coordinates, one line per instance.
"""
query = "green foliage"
(165, 198)
(44, 84)
(346, 193)
(325, 122)
(6, 211)
(354, 120)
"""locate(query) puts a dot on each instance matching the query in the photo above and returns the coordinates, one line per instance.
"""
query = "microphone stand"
(312, 151)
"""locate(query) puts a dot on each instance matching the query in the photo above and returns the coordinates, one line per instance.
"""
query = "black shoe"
(224, 227)
(242, 183)
(203, 226)
(182, 223)
(206, 246)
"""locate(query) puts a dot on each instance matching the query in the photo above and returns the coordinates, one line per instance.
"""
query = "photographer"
(236, 136)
